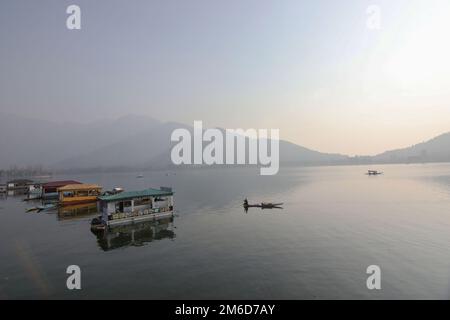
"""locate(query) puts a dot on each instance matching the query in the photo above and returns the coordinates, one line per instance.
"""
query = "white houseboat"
(134, 206)
(19, 184)
(34, 191)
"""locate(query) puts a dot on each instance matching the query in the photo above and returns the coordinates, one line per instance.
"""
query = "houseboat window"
(94, 193)
(121, 205)
(142, 202)
(127, 204)
(82, 193)
(68, 194)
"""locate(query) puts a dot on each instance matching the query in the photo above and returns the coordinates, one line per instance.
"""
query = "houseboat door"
(119, 206)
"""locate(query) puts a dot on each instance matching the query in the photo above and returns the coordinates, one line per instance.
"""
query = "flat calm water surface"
(335, 222)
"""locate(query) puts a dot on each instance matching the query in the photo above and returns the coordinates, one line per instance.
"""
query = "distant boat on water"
(373, 172)
(140, 176)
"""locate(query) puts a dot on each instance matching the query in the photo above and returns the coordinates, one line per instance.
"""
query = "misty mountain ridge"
(143, 142)
(434, 150)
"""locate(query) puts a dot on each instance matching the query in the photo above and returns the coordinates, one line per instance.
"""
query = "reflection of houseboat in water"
(136, 234)
(134, 206)
(77, 211)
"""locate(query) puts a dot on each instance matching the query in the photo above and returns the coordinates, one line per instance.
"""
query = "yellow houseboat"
(78, 193)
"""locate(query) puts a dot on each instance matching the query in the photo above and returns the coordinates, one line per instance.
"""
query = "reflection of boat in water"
(262, 205)
(43, 207)
(137, 234)
(76, 211)
(17, 193)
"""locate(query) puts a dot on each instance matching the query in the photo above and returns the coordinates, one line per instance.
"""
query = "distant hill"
(130, 141)
(132, 150)
(291, 153)
(434, 150)
(26, 141)
(142, 142)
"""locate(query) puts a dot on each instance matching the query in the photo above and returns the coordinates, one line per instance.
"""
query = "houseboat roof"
(136, 194)
(57, 184)
(20, 181)
(79, 186)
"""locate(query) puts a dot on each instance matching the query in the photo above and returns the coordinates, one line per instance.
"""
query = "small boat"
(373, 172)
(42, 208)
(139, 176)
(97, 224)
(115, 190)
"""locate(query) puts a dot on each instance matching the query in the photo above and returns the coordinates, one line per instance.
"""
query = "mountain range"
(142, 142)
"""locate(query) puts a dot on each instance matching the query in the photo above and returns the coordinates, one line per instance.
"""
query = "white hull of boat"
(136, 219)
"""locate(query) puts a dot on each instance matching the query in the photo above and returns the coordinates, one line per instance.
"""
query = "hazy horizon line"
(139, 115)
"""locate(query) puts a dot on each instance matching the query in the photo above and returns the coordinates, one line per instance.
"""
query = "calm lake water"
(335, 222)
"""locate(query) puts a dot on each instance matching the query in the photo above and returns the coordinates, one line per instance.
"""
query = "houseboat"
(19, 184)
(78, 193)
(3, 188)
(134, 206)
(34, 191)
(50, 189)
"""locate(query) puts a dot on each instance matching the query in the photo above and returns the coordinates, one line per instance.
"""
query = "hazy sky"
(313, 69)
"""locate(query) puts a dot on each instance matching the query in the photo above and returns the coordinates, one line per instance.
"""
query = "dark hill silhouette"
(142, 142)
